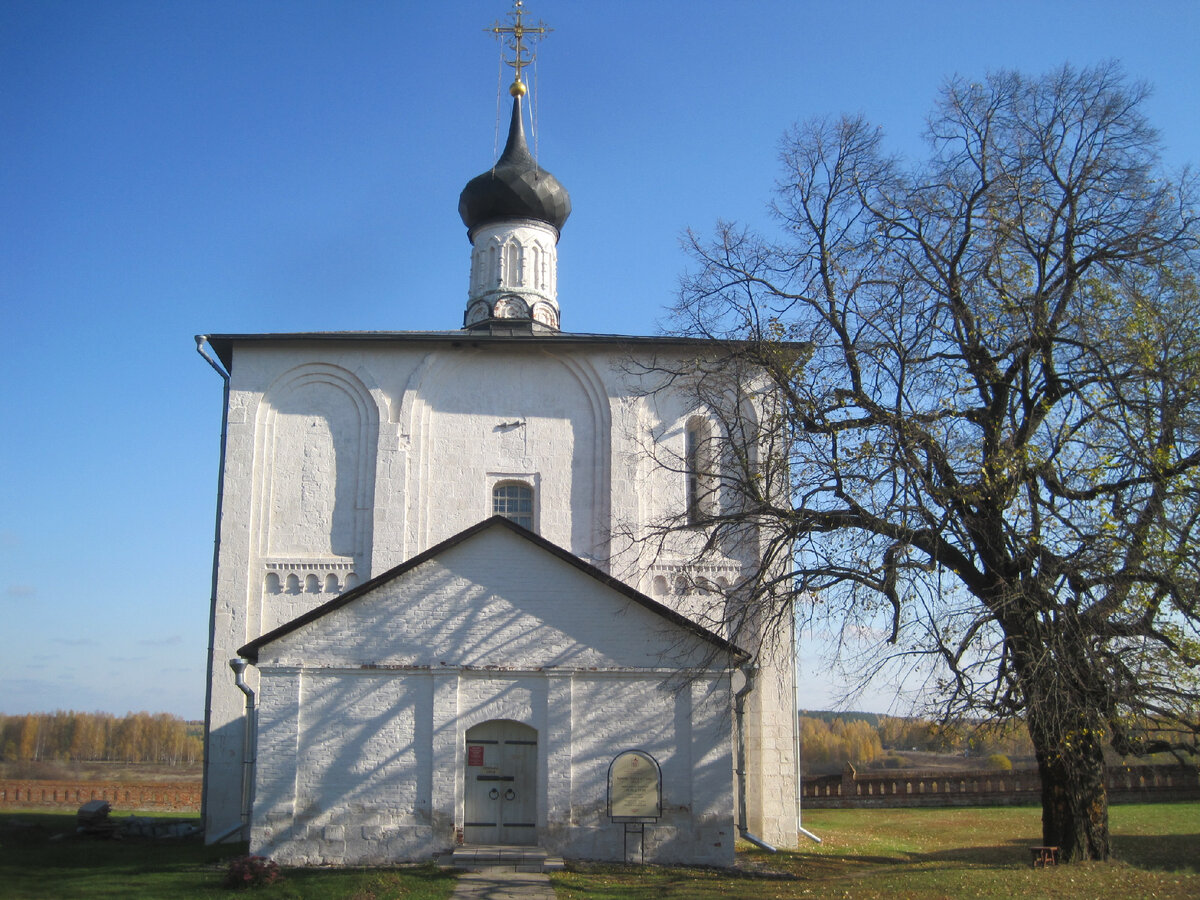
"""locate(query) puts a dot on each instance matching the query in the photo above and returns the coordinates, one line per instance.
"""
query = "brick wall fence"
(1126, 784)
(176, 796)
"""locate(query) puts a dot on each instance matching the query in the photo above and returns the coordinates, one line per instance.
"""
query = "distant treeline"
(828, 739)
(100, 737)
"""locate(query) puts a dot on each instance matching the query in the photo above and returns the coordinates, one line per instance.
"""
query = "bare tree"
(982, 374)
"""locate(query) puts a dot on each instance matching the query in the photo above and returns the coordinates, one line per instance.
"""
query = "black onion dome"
(515, 188)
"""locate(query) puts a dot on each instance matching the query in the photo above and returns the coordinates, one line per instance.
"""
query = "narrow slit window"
(698, 470)
(513, 277)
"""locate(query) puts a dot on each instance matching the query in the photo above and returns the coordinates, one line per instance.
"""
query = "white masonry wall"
(346, 458)
(374, 773)
(364, 713)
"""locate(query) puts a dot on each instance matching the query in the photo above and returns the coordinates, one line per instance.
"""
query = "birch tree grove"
(78, 736)
(986, 372)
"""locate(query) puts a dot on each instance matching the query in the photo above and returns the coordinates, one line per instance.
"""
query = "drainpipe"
(239, 670)
(796, 752)
(739, 708)
(201, 343)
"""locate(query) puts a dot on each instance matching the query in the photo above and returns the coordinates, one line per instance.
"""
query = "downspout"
(201, 343)
(796, 753)
(739, 708)
(239, 670)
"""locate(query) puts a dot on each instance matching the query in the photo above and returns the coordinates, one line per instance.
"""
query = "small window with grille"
(514, 501)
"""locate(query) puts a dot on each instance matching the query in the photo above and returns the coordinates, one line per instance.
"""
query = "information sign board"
(634, 787)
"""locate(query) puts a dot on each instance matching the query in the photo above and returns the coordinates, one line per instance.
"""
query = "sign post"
(634, 798)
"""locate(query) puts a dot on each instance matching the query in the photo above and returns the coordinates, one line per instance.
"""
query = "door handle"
(510, 794)
(493, 794)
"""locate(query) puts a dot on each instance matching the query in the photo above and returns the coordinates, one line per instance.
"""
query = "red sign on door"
(474, 755)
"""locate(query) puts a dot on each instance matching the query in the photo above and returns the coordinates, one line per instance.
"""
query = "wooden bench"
(1044, 856)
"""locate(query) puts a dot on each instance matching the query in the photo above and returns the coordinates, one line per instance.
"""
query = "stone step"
(503, 858)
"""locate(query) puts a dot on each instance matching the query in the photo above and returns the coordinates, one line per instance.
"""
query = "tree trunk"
(1065, 704)
(1070, 758)
(1074, 806)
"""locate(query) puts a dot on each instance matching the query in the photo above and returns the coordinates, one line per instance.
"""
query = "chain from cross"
(517, 33)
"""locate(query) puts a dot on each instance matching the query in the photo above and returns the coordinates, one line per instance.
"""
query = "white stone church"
(432, 622)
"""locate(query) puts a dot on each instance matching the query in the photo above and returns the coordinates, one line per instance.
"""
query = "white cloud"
(75, 642)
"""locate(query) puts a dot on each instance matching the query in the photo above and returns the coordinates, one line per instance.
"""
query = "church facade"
(433, 619)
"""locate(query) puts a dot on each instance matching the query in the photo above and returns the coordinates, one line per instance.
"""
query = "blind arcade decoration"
(634, 787)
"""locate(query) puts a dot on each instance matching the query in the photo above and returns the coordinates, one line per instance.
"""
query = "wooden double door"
(501, 783)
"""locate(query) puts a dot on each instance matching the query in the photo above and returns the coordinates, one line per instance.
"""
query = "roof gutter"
(739, 708)
(249, 742)
(202, 348)
(796, 749)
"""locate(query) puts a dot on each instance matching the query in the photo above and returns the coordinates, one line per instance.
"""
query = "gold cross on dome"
(516, 35)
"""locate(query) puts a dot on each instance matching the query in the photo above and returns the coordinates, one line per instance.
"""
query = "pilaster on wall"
(709, 749)
(771, 756)
(445, 799)
(557, 743)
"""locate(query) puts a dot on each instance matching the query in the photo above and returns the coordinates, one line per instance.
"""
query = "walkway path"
(499, 885)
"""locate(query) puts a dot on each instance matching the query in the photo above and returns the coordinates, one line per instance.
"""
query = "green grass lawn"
(42, 857)
(929, 853)
(917, 853)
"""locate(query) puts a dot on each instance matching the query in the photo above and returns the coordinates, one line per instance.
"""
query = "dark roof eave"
(223, 344)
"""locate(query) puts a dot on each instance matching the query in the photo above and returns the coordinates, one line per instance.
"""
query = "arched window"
(699, 469)
(514, 501)
(513, 276)
(536, 276)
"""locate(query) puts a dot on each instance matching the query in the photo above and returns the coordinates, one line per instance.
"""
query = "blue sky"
(172, 168)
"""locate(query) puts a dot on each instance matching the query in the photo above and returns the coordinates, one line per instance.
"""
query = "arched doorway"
(501, 783)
